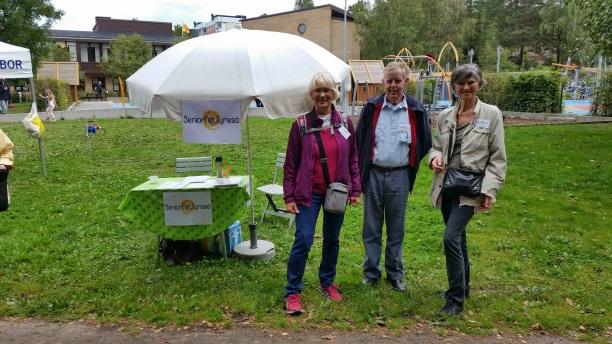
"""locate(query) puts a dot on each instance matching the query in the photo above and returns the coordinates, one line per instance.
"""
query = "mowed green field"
(541, 259)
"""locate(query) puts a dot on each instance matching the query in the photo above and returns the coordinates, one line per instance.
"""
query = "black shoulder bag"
(464, 182)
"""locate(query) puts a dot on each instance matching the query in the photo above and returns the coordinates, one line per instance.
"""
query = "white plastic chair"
(275, 189)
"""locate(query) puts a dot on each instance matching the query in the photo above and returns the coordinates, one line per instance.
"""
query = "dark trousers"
(4, 202)
(305, 223)
(456, 219)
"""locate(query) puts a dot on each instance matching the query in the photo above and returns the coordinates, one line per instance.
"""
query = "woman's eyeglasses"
(323, 90)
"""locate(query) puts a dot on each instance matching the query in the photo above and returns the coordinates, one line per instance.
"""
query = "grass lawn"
(541, 259)
(20, 108)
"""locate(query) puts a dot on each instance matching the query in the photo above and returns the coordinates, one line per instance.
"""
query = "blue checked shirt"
(392, 144)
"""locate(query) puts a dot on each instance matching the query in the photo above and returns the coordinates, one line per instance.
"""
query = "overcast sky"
(80, 14)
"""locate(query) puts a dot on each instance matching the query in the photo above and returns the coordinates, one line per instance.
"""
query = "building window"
(72, 49)
(91, 54)
(116, 85)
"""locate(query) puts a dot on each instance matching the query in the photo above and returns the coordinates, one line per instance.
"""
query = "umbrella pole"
(253, 249)
(252, 224)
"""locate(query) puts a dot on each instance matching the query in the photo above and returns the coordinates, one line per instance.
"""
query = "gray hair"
(396, 66)
(323, 79)
(466, 71)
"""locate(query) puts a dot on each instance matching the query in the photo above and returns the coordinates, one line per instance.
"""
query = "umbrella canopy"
(237, 64)
(15, 62)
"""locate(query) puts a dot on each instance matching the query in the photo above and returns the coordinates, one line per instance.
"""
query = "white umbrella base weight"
(265, 250)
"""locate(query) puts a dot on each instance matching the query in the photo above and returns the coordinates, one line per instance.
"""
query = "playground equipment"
(442, 96)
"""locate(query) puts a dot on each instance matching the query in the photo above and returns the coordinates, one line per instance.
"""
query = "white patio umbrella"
(240, 65)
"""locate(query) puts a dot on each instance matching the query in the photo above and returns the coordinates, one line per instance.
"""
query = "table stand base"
(264, 250)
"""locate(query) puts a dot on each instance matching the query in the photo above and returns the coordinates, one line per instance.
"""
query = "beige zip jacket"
(482, 150)
(6, 150)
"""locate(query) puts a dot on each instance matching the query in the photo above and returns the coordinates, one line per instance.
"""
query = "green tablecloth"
(144, 205)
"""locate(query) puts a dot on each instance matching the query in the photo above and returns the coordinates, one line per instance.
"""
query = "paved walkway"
(28, 331)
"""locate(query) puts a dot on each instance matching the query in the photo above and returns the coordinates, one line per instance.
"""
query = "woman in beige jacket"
(6, 164)
(473, 131)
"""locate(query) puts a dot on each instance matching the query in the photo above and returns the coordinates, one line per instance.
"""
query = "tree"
(57, 53)
(127, 55)
(303, 4)
(596, 19)
(25, 23)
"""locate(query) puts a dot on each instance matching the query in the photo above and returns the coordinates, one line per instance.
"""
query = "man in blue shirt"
(393, 135)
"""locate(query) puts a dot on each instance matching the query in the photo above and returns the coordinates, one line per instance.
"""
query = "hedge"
(524, 92)
(602, 103)
(60, 90)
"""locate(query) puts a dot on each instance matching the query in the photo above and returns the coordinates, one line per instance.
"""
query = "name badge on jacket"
(483, 124)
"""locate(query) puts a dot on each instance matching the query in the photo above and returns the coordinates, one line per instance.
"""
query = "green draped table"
(144, 205)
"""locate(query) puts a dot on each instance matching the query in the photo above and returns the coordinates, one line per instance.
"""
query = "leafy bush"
(602, 104)
(60, 90)
(494, 88)
(524, 92)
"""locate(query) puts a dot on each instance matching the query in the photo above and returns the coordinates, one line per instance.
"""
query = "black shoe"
(397, 285)
(451, 308)
(369, 281)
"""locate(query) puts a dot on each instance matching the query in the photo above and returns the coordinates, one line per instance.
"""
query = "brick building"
(323, 25)
(89, 48)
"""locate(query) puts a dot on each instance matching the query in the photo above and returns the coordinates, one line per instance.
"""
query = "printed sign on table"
(211, 121)
(187, 208)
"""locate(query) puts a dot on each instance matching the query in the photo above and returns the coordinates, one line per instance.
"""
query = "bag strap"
(322, 157)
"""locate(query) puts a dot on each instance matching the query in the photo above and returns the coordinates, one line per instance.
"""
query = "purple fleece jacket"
(299, 161)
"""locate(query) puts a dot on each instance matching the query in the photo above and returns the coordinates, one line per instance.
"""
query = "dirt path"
(32, 331)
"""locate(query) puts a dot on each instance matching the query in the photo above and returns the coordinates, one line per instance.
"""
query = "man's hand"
(487, 203)
(436, 164)
(354, 201)
(292, 208)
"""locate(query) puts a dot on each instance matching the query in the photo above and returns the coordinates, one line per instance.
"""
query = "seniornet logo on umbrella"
(211, 121)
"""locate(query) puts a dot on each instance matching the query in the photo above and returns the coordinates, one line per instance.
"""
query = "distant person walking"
(99, 89)
(469, 144)
(50, 104)
(5, 95)
(6, 164)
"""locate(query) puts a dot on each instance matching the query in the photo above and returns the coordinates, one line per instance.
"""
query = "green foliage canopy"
(127, 55)
(25, 23)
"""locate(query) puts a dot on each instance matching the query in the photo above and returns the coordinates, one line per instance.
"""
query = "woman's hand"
(292, 208)
(3, 168)
(354, 201)
(436, 164)
(487, 203)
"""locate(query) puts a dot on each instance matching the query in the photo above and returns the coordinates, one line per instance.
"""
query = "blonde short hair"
(395, 66)
(323, 79)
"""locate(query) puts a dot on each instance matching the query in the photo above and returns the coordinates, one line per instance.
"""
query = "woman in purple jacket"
(304, 186)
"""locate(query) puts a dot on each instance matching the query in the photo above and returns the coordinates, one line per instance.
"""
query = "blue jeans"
(306, 222)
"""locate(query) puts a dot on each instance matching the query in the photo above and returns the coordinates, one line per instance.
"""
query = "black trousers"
(4, 202)
(456, 219)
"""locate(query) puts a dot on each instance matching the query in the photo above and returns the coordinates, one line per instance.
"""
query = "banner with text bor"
(211, 121)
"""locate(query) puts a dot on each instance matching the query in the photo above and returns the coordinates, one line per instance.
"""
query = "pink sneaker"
(293, 305)
(332, 292)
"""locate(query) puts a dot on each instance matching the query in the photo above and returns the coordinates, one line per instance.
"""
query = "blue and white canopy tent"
(16, 63)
